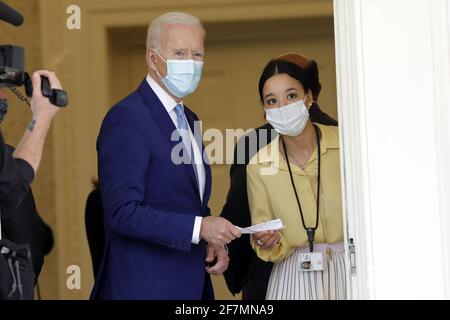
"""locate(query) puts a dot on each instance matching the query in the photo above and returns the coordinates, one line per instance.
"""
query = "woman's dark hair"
(308, 77)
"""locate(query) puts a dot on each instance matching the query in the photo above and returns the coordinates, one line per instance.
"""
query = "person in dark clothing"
(95, 230)
(246, 272)
(18, 168)
(16, 176)
(24, 237)
(24, 225)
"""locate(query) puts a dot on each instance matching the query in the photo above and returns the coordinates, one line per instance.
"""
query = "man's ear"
(151, 59)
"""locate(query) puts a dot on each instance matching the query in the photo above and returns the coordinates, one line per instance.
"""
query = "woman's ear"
(309, 100)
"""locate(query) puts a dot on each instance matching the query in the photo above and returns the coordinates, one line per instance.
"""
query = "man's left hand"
(219, 255)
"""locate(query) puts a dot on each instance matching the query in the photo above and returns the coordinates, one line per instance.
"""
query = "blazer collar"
(270, 154)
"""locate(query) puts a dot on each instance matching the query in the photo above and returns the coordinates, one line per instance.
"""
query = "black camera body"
(12, 66)
(12, 74)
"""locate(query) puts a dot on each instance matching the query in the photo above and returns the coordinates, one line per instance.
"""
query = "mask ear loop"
(311, 103)
(160, 56)
(165, 61)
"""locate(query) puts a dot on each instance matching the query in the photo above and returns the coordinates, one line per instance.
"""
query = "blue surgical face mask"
(183, 76)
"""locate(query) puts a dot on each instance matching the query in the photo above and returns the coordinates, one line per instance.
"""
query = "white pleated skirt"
(288, 283)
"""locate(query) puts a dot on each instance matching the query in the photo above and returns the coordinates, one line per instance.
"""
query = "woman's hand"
(267, 239)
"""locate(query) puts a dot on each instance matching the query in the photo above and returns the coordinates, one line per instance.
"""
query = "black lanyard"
(309, 231)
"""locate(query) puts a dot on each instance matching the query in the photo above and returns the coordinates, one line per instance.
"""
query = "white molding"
(440, 42)
(355, 189)
(393, 80)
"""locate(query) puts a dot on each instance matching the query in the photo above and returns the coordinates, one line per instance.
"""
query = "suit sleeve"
(16, 176)
(124, 155)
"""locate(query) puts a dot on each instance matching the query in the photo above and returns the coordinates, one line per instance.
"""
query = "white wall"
(394, 99)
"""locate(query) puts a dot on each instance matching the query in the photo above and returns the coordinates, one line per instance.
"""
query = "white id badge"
(310, 261)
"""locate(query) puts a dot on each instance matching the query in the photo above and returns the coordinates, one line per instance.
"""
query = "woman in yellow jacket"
(296, 178)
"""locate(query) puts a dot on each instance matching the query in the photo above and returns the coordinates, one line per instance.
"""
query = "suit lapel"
(191, 123)
(165, 123)
(158, 112)
(196, 128)
(208, 181)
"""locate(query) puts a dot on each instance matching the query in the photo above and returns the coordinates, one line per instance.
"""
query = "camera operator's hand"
(40, 105)
(32, 144)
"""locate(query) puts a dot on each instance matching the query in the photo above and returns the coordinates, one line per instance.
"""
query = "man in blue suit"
(161, 241)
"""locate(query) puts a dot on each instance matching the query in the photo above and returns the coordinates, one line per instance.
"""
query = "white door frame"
(393, 81)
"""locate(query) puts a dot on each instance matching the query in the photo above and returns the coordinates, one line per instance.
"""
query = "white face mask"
(289, 120)
(183, 76)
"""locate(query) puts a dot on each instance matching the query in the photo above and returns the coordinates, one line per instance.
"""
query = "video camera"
(12, 66)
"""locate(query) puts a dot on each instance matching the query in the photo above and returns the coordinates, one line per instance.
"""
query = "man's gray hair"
(155, 29)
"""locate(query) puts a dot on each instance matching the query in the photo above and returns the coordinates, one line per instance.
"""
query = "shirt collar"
(167, 101)
(271, 154)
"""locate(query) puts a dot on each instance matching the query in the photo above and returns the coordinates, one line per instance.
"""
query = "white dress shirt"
(169, 104)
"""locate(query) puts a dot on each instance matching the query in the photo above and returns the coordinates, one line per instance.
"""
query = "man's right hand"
(40, 105)
(218, 231)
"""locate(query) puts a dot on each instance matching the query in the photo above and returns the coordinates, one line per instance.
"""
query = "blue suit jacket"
(150, 205)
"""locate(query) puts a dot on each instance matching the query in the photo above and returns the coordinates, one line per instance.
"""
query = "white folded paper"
(276, 224)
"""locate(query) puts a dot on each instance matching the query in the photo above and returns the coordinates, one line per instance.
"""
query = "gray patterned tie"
(183, 129)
